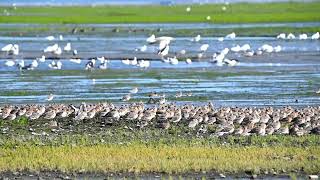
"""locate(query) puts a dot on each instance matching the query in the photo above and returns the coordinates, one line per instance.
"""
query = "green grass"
(178, 156)
(90, 148)
(235, 13)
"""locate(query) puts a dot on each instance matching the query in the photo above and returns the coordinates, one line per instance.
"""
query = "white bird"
(103, 65)
(188, 9)
(151, 39)
(126, 97)
(67, 47)
(51, 48)
(134, 90)
(173, 61)
(50, 38)
(143, 63)
(60, 37)
(220, 39)
(102, 59)
(15, 50)
(142, 48)
(134, 62)
(208, 18)
(197, 38)
(204, 47)
(303, 36)
(10, 63)
(224, 8)
(75, 60)
(225, 51)
(218, 57)
(164, 51)
(42, 59)
(183, 52)
(248, 53)
(315, 36)
(281, 36)
(126, 61)
(231, 62)
(291, 36)
(164, 42)
(55, 65)
(236, 48)
(58, 51)
(231, 35)
(188, 61)
(267, 48)
(11, 49)
(7, 47)
(21, 64)
(245, 47)
(50, 97)
(35, 63)
(75, 52)
(277, 48)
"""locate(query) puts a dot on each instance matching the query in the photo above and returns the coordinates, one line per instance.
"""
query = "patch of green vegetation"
(21, 121)
(19, 93)
(141, 158)
(235, 13)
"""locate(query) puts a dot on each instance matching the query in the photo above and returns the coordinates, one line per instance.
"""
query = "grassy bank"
(177, 155)
(141, 158)
(234, 13)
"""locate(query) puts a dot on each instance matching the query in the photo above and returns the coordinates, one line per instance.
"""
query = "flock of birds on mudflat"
(206, 118)
(219, 58)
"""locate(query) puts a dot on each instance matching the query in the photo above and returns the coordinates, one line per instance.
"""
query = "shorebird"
(188, 61)
(10, 63)
(204, 47)
(197, 38)
(143, 63)
(281, 36)
(67, 47)
(173, 61)
(90, 64)
(103, 65)
(126, 97)
(134, 90)
(11, 49)
(164, 51)
(75, 60)
(291, 36)
(151, 39)
(51, 49)
(303, 36)
(231, 35)
(231, 62)
(55, 65)
(277, 48)
(50, 97)
(50, 38)
(315, 36)
(42, 59)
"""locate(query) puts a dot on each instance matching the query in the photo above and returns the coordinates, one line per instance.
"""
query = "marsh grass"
(235, 13)
(140, 158)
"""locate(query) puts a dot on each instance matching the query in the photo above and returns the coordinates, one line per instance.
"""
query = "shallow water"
(290, 77)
